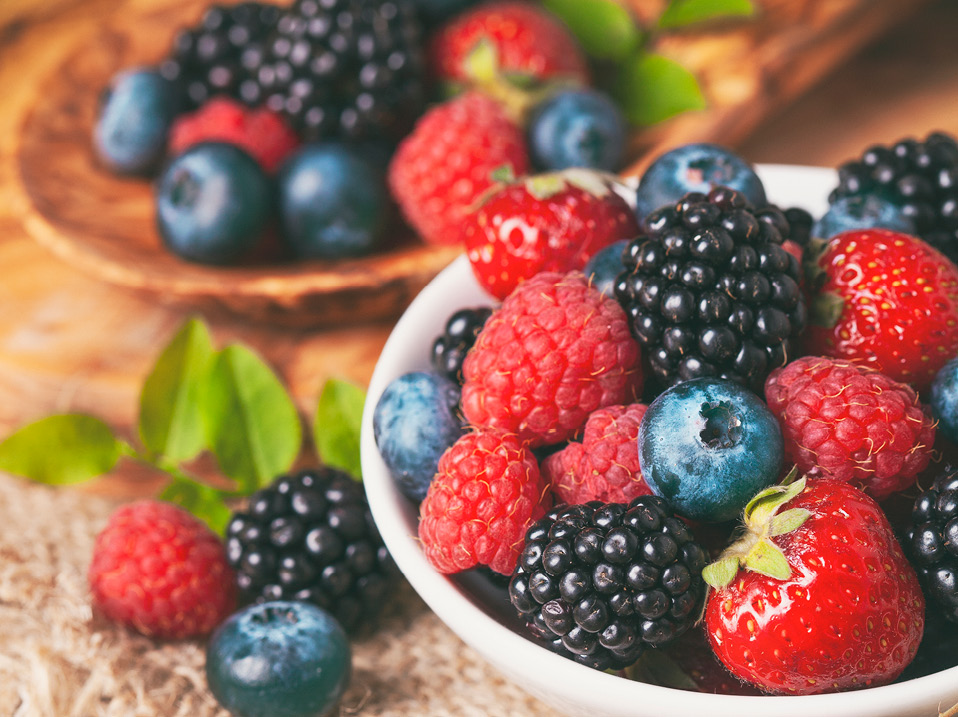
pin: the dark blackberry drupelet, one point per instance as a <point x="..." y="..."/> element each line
<point x="800" y="223"/>
<point x="919" y="177"/>
<point x="932" y="542"/>
<point x="601" y="581"/>
<point x="449" y="350"/>
<point x="310" y="536"/>
<point x="215" y="57"/>
<point x="352" y="69"/>
<point x="710" y="292"/>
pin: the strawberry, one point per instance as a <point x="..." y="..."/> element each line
<point x="826" y="601"/>
<point x="448" y="160"/>
<point x="887" y="300"/>
<point x="549" y="222"/>
<point x="513" y="39"/>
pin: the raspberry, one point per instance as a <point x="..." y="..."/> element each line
<point x="605" y="465"/>
<point x="850" y="423"/>
<point x="446" y="163"/>
<point x="262" y="133"/>
<point x="555" y="351"/>
<point x="161" y="571"/>
<point x="486" y="493"/>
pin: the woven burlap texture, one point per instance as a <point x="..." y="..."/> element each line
<point x="59" y="659"/>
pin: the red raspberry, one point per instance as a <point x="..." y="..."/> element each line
<point x="262" y="133"/>
<point x="447" y="162"/>
<point x="527" y="41"/>
<point x="549" y="222"/>
<point x="161" y="571"/>
<point x="605" y="465"/>
<point x="851" y="423"/>
<point x="554" y="352"/>
<point x="486" y="494"/>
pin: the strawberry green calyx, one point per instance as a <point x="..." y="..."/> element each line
<point x="755" y="550"/>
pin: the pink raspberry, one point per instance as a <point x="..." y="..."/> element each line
<point x="851" y="423"/>
<point x="555" y="351"/>
<point x="486" y="494"/>
<point x="605" y="465"/>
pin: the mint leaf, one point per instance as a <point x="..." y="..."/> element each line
<point x="680" y="13"/>
<point x="171" y="421"/>
<point x="61" y="449"/>
<point x="651" y="88"/>
<point x="604" y="28"/>
<point x="206" y="503"/>
<point x="251" y="422"/>
<point x="336" y="427"/>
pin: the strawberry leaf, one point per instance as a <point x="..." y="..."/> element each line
<point x="604" y="28"/>
<point x="543" y="186"/>
<point x="767" y="558"/>
<point x="481" y="64"/>
<point x="788" y="521"/>
<point x="589" y="181"/>
<point x="62" y="449"/>
<point x="252" y="424"/>
<point x="337" y="426"/>
<point x="681" y="13"/>
<point x="651" y="88"/>
<point x="721" y="572"/>
<point x="171" y="421"/>
<point x="826" y="310"/>
<point x="203" y="501"/>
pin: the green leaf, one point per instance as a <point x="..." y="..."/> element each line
<point x="337" y="424"/>
<point x="61" y="449"/>
<point x="721" y="572"/>
<point x="171" y="420"/>
<point x="680" y="13"/>
<point x="251" y="422"/>
<point x="206" y="503"/>
<point x="826" y="310"/>
<point x="788" y="521"/>
<point x="767" y="558"/>
<point x="657" y="667"/>
<point x="651" y="88"/>
<point x="604" y="28"/>
<point x="481" y="64"/>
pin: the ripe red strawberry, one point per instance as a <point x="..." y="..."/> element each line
<point x="549" y="222"/>
<point x="161" y="571"/>
<point x="525" y="40"/>
<point x="851" y="423"/>
<point x="887" y="300"/>
<point x="554" y="352"/>
<point x="605" y="465"/>
<point x="826" y="600"/>
<point x="486" y="493"/>
<point x="448" y="160"/>
<point x="261" y="132"/>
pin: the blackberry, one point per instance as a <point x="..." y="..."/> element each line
<point x="919" y="177"/>
<point x="449" y="350"/>
<point x="800" y="223"/>
<point x="310" y="537"/>
<point x="352" y="69"/>
<point x="213" y="58"/>
<point x="710" y="292"/>
<point x="932" y="542"/>
<point x="599" y="582"/>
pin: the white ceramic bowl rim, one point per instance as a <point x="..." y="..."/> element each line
<point x="559" y="681"/>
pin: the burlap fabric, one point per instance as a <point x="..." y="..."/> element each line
<point x="58" y="659"/>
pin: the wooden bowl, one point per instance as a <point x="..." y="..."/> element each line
<point x="104" y="224"/>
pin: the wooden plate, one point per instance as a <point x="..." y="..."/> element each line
<point x="104" y="224"/>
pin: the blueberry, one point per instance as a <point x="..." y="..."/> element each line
<point x="707" y="446"/>
<point x="212" y="203"/>
<point x="134" y="119"/>
<point x="605" y="266"/>
<point x="696" y="168"/>
<point x="333" y="203"/>
<point x="577" y="128"/>
<point x="944" y="400"/>
<point x="415" y="421"/>
<point x="279" y="659"/>
<point x="862" y="211"/>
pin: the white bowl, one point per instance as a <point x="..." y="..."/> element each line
<point x="482" y="616"/>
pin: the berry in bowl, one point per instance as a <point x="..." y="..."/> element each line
<point x="600" y="591"/>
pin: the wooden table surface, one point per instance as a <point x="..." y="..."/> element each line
<point x="70" y="343"/>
